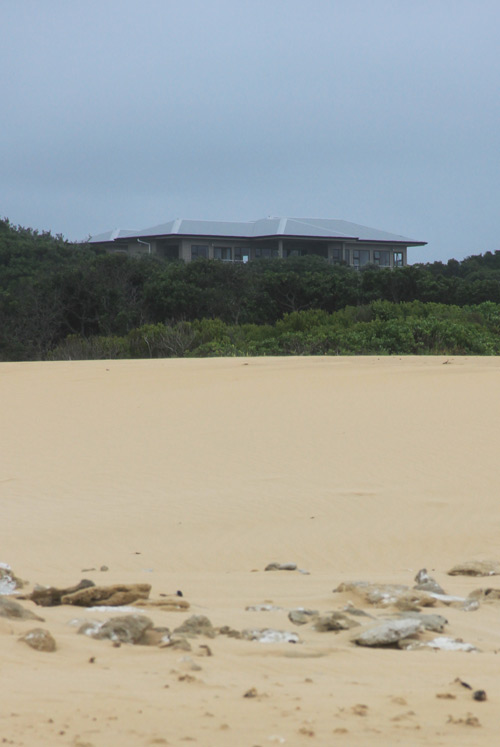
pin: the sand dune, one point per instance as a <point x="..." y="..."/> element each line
<point x="193" y="475"/>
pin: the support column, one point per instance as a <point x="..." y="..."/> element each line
<point x="280" y="248"/>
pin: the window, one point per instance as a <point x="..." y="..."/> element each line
<point x="360" y="257"/>
<point x="265" y="252"/>
<point x="167" y="250"/>
<point x="199" y="250"/>
<point x="223" y="252"/>
<point x="241" y="254"/>
<point x="398" y="259"/>
<point x="381" y="258"/>
<point x="336" y="255"/>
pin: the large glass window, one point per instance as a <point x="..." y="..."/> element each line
<point x="199" y="250"/>
<point x="223" y="252"/>
<point x="360" y="257"/>
<point x="398" y="259"/>
<point x="382" y="258"/>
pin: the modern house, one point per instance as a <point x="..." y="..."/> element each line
<point x="338" y="241"/>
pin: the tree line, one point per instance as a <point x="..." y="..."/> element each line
<point x="63" y="300"/>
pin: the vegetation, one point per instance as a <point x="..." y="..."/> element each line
<point x="64" y="301"/>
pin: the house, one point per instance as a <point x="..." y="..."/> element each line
<point x="338" y="241"/>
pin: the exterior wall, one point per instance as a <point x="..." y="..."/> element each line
<point x="335" y="251"/>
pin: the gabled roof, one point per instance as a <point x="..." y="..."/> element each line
<point x="321" y="228"/>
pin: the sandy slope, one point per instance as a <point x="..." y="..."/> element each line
<point x="193" y="475"/>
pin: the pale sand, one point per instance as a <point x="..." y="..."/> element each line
<point x="193" y="475"/>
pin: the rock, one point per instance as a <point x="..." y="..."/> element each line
<point x="39" y="639"/>
<point x="334" y="621"/>
<point x="281" y="567"/>
<point x="169" y="604"/>
<point x="427" y="583"/>
<point x="413" y="599"/>
<point x="467" y="605"/>
<point x="204" y="650"/>
<point x="14" y="610"/>
<point x="476" y="568"/>
<point x="435" y="623"/>
<point x="9" y="582"/>
<point x="196" y="625"/>
<point x="50" y="596"/>
<point x="479" y="695"/>
<point x="252" y="693"/>
<point x="125" y="629"/>
<point x="176" y="642"/>
<point x="230" y="632"/>
<point x="385" y="595"/>
<point x="388" y="633"/>
<point x="444" y="643"/>
<point x="269" y="635"/>
<point x="109" y="596"/>
<point x="352" y="610"/>
<point x="485" y="595"/>
<point x="262" y="608"/>
<point x="301" y="616"/>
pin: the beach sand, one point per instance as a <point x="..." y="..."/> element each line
<point x="193" y="475"/>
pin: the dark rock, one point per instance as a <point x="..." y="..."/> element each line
<point x="39" y="639"/>
<point x="14" y="610"/>
<point x="50" y="596"/>
<point x="334" y="621"/>
<point x="479" y="695"/>
<point x="230" y="632"/>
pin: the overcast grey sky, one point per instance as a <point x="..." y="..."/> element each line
<point x="129" y="113"/>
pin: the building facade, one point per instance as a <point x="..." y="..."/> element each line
<point x="339" y="242"/>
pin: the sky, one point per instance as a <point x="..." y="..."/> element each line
<point x="130" y="113"/>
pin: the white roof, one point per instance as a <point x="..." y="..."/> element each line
<point x="320" y="228"/>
